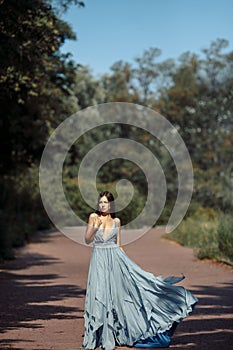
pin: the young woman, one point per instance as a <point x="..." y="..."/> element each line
<point x="124" y="304"/>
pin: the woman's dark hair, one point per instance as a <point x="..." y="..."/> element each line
<point x="110" y="198"/>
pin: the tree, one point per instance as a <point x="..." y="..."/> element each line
<point x="35" y="95"/>
<point x="34" y="78"/>
<point x="199" y="103"/>
<point x="118" y="84"/>
<point x="86" y="89"/>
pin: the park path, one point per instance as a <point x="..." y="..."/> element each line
<point x="42" y="293"/>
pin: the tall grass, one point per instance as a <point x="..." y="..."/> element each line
<point x="225" y="236"/>
<point x="209" y="233"/>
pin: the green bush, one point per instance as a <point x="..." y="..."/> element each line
<point x="208" y="232"/>
<point x="197" y="230"/>
<point x="21" y="211"/>
<point x="225" y="236"/>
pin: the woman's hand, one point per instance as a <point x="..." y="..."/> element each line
<point x="97" y="222"/>
<point x="94" y="223"/>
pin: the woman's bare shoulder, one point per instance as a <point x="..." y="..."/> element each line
<point x="93" y="215"/>
<point x="118" y="221"/>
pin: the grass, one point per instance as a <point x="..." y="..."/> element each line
<point x="209" y="233"/>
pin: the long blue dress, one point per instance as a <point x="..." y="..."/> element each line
<point x="126" y="305"/>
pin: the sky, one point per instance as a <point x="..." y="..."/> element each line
<point x="112" y="30"/>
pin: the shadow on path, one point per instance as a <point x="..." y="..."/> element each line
<point x="28" y="299"/>
<point x="211" y="326"/>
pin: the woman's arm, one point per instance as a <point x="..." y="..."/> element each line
<point x="93" y="224"/>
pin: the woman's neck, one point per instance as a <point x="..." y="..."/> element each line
<point x="106" y="215"/>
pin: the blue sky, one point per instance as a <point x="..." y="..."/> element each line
<point x="112" y="30"/>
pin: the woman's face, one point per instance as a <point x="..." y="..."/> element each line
<point x="104" y="205"/>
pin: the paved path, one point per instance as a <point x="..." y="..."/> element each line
<point x="42" y="293"/>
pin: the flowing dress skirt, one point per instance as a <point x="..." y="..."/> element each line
<point x="126" y="305"/>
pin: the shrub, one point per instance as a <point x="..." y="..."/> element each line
<point x="208" y="232"/>
<point x="21" y="210"/>
<point x="225" y="236"/>
<point x="197" y="230"/>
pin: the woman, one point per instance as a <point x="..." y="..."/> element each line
<point x="126" y="305"/>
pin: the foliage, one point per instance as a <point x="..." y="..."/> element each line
<point x="199" y="103"/>
<point x="208" y="232"/>
<point x="35" y="79"/>
<point x="225" y="235"/>
<point x="35" y="96"/>
<point x="23" y="212"/>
